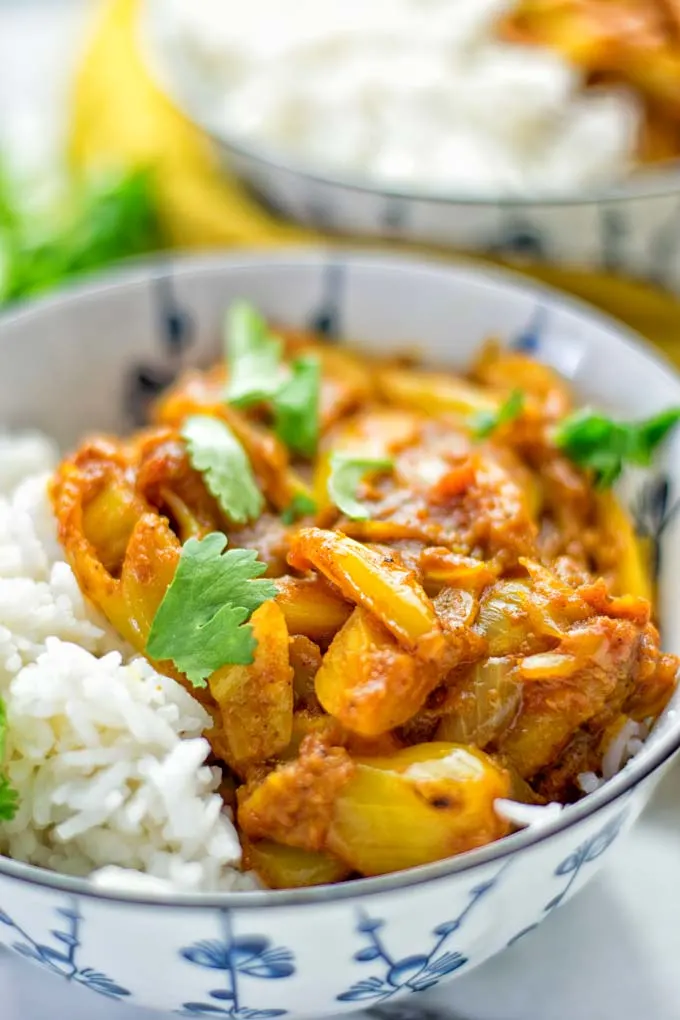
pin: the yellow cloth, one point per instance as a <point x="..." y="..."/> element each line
<point x="119" y="114"/>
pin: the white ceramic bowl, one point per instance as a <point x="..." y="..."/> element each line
<point x="90" y="359"/>
<point x="633" y="228"/>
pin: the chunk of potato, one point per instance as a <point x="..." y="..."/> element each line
<point x="378" y="584"/>
<point x="310" y="607"/>
<point x="256" y="701"/>
<point x="367" y="681"/>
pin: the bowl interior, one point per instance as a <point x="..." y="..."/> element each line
<point x="93" y="358"/>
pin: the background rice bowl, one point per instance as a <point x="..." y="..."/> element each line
<point x="105" y="349"/>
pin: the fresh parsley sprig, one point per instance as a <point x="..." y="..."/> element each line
<point x="201" y="624"/>
<point x="346" y="474"/>
<point x="216" y="452"/>
<point x="604" y="446"/>
<point x="485" y="423"/>
<point x="259" y="375"/>
<point x="9" y="798"/>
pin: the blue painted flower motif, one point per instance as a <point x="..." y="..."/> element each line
<point x="414" y="973"/>
<point x="529" y="340"/>
<point x="587" y="852"/>
<point x="62" y="958"/>
<point x="327" y="318"/>
<point x="236" y="956"/>
<point x="571" y="866"/>
<point x="146" y="381"/>
<point x="652" y="512"/>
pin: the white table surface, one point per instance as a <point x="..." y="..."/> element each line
<point x="612" y="954"/>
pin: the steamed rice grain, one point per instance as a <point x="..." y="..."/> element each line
<point x="107" y="755"/>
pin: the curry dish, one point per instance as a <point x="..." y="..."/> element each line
<point x="634" y="43"/>
<point x="451" y="611"/>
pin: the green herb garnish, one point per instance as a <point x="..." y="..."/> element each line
<point x="484" y="423"/>
<point x="253" y="355"/>
<point x="347" y="473"/>
<point x="92" y="224"/>
<point x="201" y="624"/>
<point x="296" y="407"/>
<point x="604" y="447"/>
<point x="216" y="452"/>
<point x="9" y="798"/>
<point x="259" y="375"/>
<point x="300" y="506"/>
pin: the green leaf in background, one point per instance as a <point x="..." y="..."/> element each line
<point x="95" y="223"/>
<point x="604" y="447"/>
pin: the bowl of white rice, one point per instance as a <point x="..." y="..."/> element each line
<point x="120" y="870"/>
<point x="414" y="121"/>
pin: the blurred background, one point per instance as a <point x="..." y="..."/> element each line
<point x="538" y="133"/>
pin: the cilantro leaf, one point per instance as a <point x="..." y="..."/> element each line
<point x="300" y="506"/>
<point x="216" y="452"/>
<point x="9" y="798"/>
<point x="604" y="447"/>
<point x="201" y="624"/>
<point x="296" y="406"/>
<point x="347" y="473"/>
<point x="253" y="356"/>
<point x="484" y="423"/>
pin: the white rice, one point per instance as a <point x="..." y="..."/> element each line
<point x="526" y="816"/>
<point x="405" y="92"/>
<point x="106" y="754"/>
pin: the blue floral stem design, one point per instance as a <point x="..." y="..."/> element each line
<point x="73" y="943"/>
<point x="229" y="941"/>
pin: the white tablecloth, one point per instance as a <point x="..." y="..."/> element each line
<point x="613" y="954"/>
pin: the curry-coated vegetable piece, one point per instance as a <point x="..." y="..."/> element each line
<point x="482" y="704"/>
<point x="625" y="549"/>
<point x="167" y="481"/>
<point x="305" y="659"/>
<point x="511" y="371"/>
<point x="256" y="701"/>
<point x="655" y="680"/>
<point x="289" y="867"/>
<point x="434" y="392"/>
<point x="419" y="805"/>
<point x="368" y="681"/>
<point x="383" y="587"/>
<point x="310" y="607"/>
<point x="378" y="815"/>
<point x="563" y="689"/>
<point x="148" y="569"/>
<point x="346" y="382"/>
<point x="294" y="804"/>
<point x="99" y="474"/>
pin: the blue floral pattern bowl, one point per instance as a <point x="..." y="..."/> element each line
<point x="93" y="358"/>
